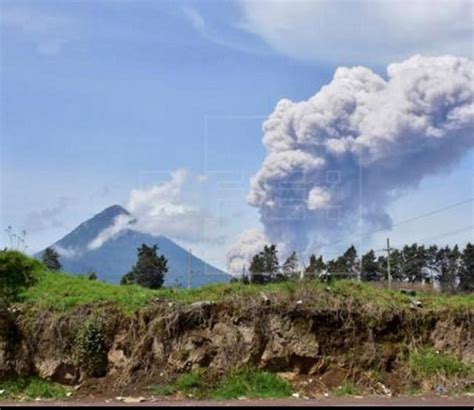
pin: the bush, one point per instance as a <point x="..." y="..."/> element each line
<point x="91" y="349"/>
<point x="17" y="272"/>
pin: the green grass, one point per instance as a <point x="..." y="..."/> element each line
<point x="163" y="389"/>
<point x="427" y="363"/>
<point x="189" y="381"/>
<point x="346" y="389"/>
<point x="251" y="383"/>
<point x="248" y="383"/>
<point x="30" y="388"/>
<point x="60" y="292"/>
<point x="190" y="384"/>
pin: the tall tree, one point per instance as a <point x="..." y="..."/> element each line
<point x="414" y="260"/>
<point x="257" y="270"/>
<point x="51" y="259"/>
<point x="346" y="265"/>
<point x="264" y="266"/>
<point x="448" y="260"/>
<point x="466" y="270"/>
<point x="370" y="268"/>
<point x="270" y="260"/>
<point x="290" y="267"/>
<point x="150" y="269"/>
<point x="316" y="267"/>
<point x="431" y="267"/>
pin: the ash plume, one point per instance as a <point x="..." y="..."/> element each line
<point x="344" y="154"/>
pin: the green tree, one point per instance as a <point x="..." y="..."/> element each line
<point x="51" y="259"/>
<point x="290" y="267"/>
<point x="346" y="265"/>
<point x="316" y="267"/>
<point x="257" y="270"/>
<point x="264" y="266"/>
<point x="396" y="266"/>
<point x="448" y="261"/>
<point x="370" y="267"/>
<point x="270" y="260"/>
<point x="150" y="269"/>
<point x="431" y="266"/>
<point x="414" y="261"/>
<point x="466" y="270"/>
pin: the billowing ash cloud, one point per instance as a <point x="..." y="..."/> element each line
<point x="161" y="210"/>
<point x="359" y="142"/>
<point x="248" y="244"/>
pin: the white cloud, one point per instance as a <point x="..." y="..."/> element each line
<point x="48" y="31"/>
<point x="218" y="36"/>
<point x="365" y="31"/>
<point x="121" y="223"/>
<point x="66" y="252"/>
<point x="195" y="18"/>
<point x="163" y="210"/>
<point x="318" y="198"/>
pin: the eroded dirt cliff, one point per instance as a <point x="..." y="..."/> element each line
<point x="318" y="346"/>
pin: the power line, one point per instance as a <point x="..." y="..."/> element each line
<point x="465" y="229"/>
<point x="442" y="235"/>
<point x="434" y="212"/>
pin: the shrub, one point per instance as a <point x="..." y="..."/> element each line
<point x="17" y="272"/>
<point x="91" y="349"/>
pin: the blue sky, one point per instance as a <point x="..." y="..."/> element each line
<point x="99" y="98"/>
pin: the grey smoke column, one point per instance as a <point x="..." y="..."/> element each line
<point x="393" y="132"/>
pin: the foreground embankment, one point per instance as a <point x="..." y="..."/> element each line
<point x="341" y="338"/>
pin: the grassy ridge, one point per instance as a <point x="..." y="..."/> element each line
<point x="61" y="292"/>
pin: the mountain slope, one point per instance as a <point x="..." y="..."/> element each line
<point x="116" y="256"/>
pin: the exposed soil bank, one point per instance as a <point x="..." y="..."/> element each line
<point x="317" y="349"/>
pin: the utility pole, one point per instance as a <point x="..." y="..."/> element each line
<point x="359" y="274"/>
<point x="190" y="267"/>
<point x="302" y="266"/>
<point x="389" y="275"/>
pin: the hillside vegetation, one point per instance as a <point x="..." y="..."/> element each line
<point x="339" y="337"/>
<point x="61" y="292"/>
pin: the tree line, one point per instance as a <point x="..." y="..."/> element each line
<point x="449" y="267"/>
